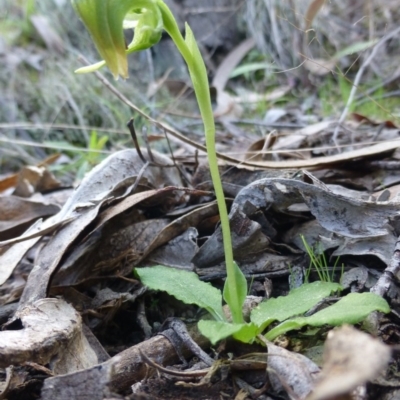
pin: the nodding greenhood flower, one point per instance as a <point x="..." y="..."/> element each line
<point x="106" y="19"/>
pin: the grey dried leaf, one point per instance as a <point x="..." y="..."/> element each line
<point x="345" y="216"/>
<point x="178" y="253"/>
<point x="247" y="238"/>
<point x="291" y="372"/>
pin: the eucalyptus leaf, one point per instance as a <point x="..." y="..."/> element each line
<point x="183" y="285"/>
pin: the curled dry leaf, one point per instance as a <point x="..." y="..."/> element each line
<point x="112" y="245"/>
<point x="51" y="334"/>
<point x="109" y="249"/>
<point x="345" y="216"/>
<point x="351" y="358"/>
<point x="291" y="372"/>
<point x="33" y="179"/>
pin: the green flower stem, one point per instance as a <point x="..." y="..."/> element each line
<point x="198" y="74"/>
<point x="104" y="19"/>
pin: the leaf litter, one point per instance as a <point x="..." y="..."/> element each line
<point x="111" y="233"/>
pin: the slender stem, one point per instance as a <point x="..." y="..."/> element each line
<point x="199" y="78"/>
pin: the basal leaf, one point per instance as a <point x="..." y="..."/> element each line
<point x="236" y="295"/>
<point x="183" y="285"/>
<point x="297" y="302"/>
<point x="351" y="309"/>
<point x="218" y="330"/>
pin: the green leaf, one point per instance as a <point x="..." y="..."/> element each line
<point x="218" y="330"/>
<point x="297" y="302"/>
<point x="251" y="67"/>
<point x="351" y="309"/>
<point x="355" y="48"/>
<point x="236" y="295"/>
<point x="90" y="68"/>
<point x="183" y="285"/>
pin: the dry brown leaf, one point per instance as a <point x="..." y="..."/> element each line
<point x="312" y="11"/>
<point x="320" y="66"/>
<point x="247" y="238"/>
<point x="50" y="37"/>
<point x="320" y="162"/>
<point x="180" y="225"/>
<point x="230" y="62"/>
<point x="363" y="118"/>
<point x="351" y="358"/>
<point x="112" y="179"/>
<point x="35" y="179"/>
<point x="77" y="385"/>
<point x="275" y="94"/>
<point x="357" y="220"/>
<point x="297" y="139"/>
<point x="227" y="106"/>
<point x="8" y="182"/>
<point x="17" y="213"/>
<point x="178" y="252"/>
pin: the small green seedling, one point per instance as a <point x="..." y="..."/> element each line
<point x="319" y="262"/>
<point x="105" y="20"/>
<point x="82" y="159"/>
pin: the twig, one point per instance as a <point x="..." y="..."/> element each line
<point x="358" y="78"/>
<point x="131" y="127"/>
<point x="390" y="274"/>
<point x="191" y="374"/>
<point x="141" y="319"/>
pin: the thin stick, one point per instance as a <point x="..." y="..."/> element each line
<point x="131" y="127"/>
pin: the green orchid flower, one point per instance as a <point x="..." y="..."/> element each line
<point x="105" y="20"/>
